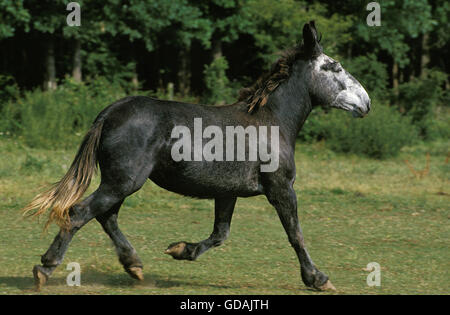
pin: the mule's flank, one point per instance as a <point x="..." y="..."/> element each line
<point x="65" y="193"/>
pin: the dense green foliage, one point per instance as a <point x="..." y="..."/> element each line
<point x="218" y="89"/>
<point x="204" y="51"/>
<point x="60" y="117"/>
<point x="381" y="136"/>
<point x="419" y="98"/>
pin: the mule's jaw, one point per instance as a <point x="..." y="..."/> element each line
<point x="40" y="278"/>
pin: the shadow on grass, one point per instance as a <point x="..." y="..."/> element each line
<point x="93" y="277"/>
<point x="21" y="283"/>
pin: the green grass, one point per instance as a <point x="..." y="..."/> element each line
<point x="353" y="211"/>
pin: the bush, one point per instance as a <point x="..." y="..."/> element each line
<point x="380" y="135"/>
<point x="218" y="88"/>
<point x="8" y="89"/>
<point x="314" y="128"/>
<point x="419" y="98"/>
<point x="60" y="117"/>
<point x="440" y="125"/>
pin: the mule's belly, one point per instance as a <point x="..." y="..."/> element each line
<point x="208" y="179"/>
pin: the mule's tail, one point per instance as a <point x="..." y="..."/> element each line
<point x="65" y="193"/>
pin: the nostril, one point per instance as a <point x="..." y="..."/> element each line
<point x="368" y="105"/>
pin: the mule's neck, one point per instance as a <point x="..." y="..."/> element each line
<point x="290" y="104"/>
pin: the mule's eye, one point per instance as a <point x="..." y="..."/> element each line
<point x="332" y="66"/>
<point x="337" y="67"/>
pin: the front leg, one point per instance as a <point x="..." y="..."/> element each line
<point x="284" y="199"/>
<point x="224" y="208"/>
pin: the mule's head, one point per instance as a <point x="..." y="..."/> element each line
<point x="329" y="83"/>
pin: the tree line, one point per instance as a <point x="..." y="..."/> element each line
<point x="153" y="43"/>
<point x="56" y="78"/>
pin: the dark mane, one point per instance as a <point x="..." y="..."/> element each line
<point x="257" y="95"/>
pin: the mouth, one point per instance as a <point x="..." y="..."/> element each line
<point x="357" y="112"/>
<point x="359" y="106"/>
<point x="353" y="109"/>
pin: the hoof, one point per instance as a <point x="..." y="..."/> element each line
<point x="40" y="278"/>
<point x="136" y="273"/>
<point x="176" y="250"/>
<point x="327" y="286"/>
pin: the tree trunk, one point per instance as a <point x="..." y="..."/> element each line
<point x="184" y="75"/>
<point x="425" y="58"/>
<point x="216" y="48"/>
<point x="50" y="68"/>
<point x="135" y="79"/>
<point x="76" y="72"/>
<point x="395" y="74"/>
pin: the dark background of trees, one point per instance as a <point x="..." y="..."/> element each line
<point x="160" y="41"/>
<point x="205" y="50"/>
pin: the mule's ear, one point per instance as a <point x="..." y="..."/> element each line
<point x="311" y="44"/>
<point x="312" y="25"/>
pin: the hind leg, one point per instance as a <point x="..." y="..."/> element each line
<point x="123" y="173"/>
<point x="103" y="199"/>
<point x="127" y="254"/>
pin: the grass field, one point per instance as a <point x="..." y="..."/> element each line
<point x="353" y="211"/>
